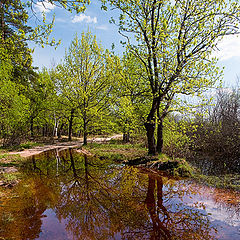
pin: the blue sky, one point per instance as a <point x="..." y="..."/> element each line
<point x="97" y="21"/>
<point x="68" y="24"/>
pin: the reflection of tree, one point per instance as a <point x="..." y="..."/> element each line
<point x="20" y="215"/>
<point x="107" y="201"/>
<point x="175" y="220"/>
<point x="97" y="201"/>
<point x="160" y="230"/>
<point x="85" y="200"/>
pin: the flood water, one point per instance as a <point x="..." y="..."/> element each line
<point x="213" y="165"/>
<point x="65" y="195"/>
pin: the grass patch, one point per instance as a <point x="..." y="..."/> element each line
<point x="136" y="154"/>
<point x="22" y="146"/>
<point x="116" y="150"/>
<point x="184" y="169"/>
<point x="10" y="177"/>
<point x="9" y="160"/>
<point x="228" y="181"/>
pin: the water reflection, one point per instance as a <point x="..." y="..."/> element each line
<point x="65" y="195"/>
<point x="214" y="165"/>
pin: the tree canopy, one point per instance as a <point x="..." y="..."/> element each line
<point x="83" y="79"/>
<point x="174" y="41"/>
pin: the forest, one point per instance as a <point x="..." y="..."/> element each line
<point x="93" y="91"/>
<point x="163" y="95"/>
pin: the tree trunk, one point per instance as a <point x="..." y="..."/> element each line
<point x="160" y="136"/>
<point x="70" y="126"/>
<point x="126" y="137"/>
<point x="59" y="133"/>
<point x="31" y="127"/>
<point x="46" y="130"/>
<point x="150" y="128"/>
<point x="43" y="131"/>
<point x="55" y="128"/>
<point x="150" y="125"/>
<point x="85" y="131"/>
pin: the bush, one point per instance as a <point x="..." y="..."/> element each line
<point x="218" y="133"/>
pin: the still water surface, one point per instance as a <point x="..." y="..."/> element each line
<point x="65" y="195"/>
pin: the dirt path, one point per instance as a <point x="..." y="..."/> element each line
<point x="61" y="145"/>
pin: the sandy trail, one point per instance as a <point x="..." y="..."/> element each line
<point x="61" y="145"/>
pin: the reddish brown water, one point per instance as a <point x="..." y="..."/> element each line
<point x="64" y="195"/>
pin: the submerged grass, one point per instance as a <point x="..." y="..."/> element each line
<point x="9" y="160"/>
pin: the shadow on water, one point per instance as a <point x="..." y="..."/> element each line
<point x="65" y="195"/>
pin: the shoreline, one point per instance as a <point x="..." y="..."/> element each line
<point x="60" y="145"/>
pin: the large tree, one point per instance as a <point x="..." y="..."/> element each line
<point x="14" y="106"/>
<point x="20" y="85"/>
<point x="83" y="81"/>
<point x="174" y="41"/>
<point x="130" y="104"/>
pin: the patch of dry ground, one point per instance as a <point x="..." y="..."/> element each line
<point x="61" y="145"/>
<point x="10" y="161"/>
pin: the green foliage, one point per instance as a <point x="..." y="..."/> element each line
<point x="174" y="40"/>
<point x="14" y="108"/>
<point x="176" y="140"/>
<point x="129" y="103"/>
<point x="83" y="80"/>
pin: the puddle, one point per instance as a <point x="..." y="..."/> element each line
<point x="65" y="195"/>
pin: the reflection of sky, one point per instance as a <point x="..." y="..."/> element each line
<point x="220" y="213"/>
<point x="176" y="197"/>
<point x="184" y="198"/>
<point x="52" y="228"/>
<point x="226" y="219"/>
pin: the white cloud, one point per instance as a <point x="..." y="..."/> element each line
<point x="44" y="6"/>
<point x="102" y="27"/>
<point x="229" y="47"/>
<point x="84" y="18"/>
